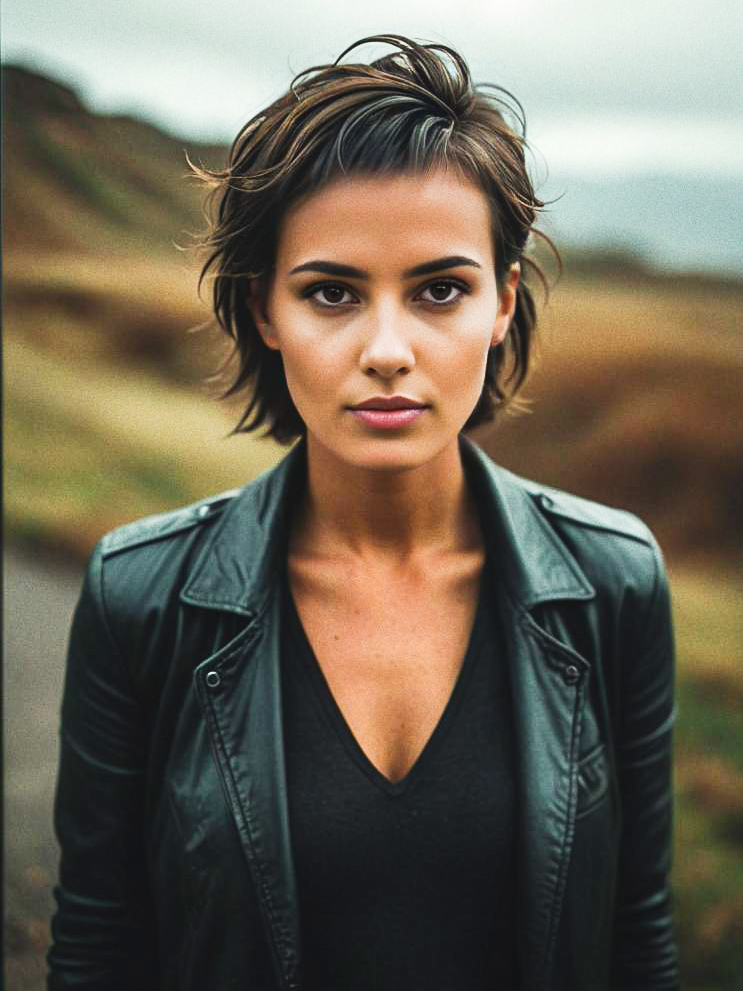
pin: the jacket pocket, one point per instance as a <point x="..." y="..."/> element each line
<point x="593" y="780"/>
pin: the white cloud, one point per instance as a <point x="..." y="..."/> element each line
<point x="203" y="68"/>
<point x="610" y="147"/>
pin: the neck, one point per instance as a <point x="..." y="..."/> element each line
<point x="385" y="515"/>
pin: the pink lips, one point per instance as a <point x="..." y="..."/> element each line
<point x="388" y="411"/>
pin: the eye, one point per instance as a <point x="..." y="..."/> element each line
<point x="330" y="294"/>
<point x="443" y="292"/>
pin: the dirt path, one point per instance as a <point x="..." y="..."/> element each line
<point x="39" y="597"/>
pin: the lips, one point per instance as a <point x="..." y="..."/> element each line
<point x="389" y="403"/>
<point x="388" y="413"/>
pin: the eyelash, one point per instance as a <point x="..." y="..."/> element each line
<point x="463" y="288"/>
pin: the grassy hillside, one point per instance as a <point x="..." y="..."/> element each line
<point x="80" y="181"/>
<point x="636" y="400"/>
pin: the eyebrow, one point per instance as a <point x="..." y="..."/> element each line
<point x="351" y="272"/>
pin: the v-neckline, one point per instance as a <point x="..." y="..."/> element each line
<point x="310" y="665"/>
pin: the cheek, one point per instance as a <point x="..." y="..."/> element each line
<point x="303" y="372"/>
<point x="467" y="364"/>
<point x="312" y="375"/>
<point x="302" y="358"/>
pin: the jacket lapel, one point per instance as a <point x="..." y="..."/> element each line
<point x="548" y="707"/>
<point x="548" y="681"/>
<point x="239" y="689"/>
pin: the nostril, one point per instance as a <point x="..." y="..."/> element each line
<point x="387" y="356"/>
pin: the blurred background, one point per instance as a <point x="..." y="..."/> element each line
<point x="635" y="118"/>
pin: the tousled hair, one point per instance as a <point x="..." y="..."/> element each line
<point x="414" y="110"/>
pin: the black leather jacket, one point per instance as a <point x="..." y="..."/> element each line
<point x="171" y="808"/>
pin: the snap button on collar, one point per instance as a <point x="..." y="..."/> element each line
<point x="570" y="674"/>
<point x="212" y="679"/>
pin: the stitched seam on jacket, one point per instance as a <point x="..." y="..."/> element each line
<point x="111" y="546"/>
<point x="532" y="629"/>
<point x="653" y="598"/>
<point x="551" y="506"/>
<point x="601" y="527"/>
<point x="196" y="597"/>
<point x="567" y="559"/>
<point x="551" y="644"/>
<point x="109" y="631"/>
<point x="570" y="831"/>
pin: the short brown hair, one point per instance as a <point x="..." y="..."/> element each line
<point x="415" y="109"/>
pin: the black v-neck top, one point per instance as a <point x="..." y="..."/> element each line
<point x="409" y="884"/>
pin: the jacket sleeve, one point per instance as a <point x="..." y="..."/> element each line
<point x="102" y="930"/>
<point x="644" y="956"/>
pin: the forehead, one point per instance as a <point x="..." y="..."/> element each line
<point x="401" y="217"/>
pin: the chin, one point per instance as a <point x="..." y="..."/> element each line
<point x="389" y="454"/>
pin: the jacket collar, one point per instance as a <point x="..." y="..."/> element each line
<point x="241" y="557"/>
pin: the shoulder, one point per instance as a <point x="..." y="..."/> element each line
<point x="165" y="527"/>
<point x="597" y="533"/>
<point x="612" y="549"/>
<point x="138" y="569"/>
<point x="593" y="527"/>
<point x="523" y="496"/>
<point x="617" y="550"/>
<point x="617" y="554"/>
<point x="584" y="514"/>
<point x="211" y="552"/>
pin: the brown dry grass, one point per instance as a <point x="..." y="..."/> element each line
<point x="636" y="401"/>
<point x="636" y="397"/>
<point x="95" y="436"/>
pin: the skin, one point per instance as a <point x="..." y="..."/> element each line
<point x="386" y="551"/>
<point x="386" y="335"/>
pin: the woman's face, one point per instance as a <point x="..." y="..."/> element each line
<point x="385" y="297"/>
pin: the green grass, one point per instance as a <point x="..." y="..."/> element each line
<point x="88" y="447"/>
<point x="81" y="178"/>
<point x="707" y="723"/>
<point x="708" y="899"/>
<point x="62" y="486"/>
<point x="708" y="868"/>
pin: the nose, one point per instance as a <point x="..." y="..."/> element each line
<point x="387" y="349"/>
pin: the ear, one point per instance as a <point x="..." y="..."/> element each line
<point x="506" y="304"/>
<point x="258" y="304"/>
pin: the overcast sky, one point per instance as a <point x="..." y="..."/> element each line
<point x="609" y="87"/>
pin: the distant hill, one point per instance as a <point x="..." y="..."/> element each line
<point x="86" y="182"/>
<point x="82" y="180"/>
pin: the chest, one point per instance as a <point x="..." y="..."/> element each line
<point x="390" y="653"/>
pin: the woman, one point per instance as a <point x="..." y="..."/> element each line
<point x="388" y="717"/>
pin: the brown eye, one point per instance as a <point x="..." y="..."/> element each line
<point x="440" y="291"/>
<point x="443" y="292"/>
<point x="330" y="294"/>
